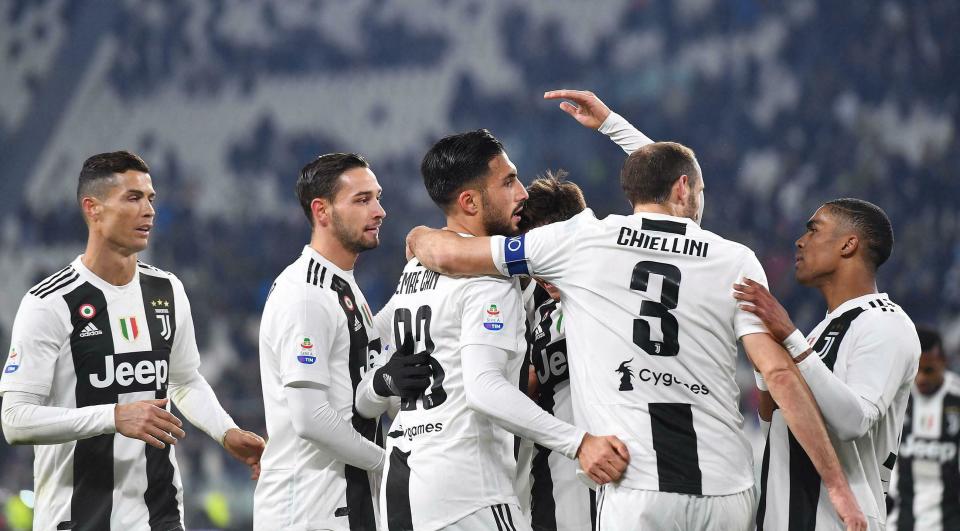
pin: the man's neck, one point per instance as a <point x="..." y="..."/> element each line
<point x="466" y="225"/>
<point x="656" y="208"/>
<point x="847" y="284"/>
<point x="331" y="249"/>
<point x="110" y="264"/>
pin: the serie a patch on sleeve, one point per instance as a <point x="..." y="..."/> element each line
<point x="307" y="356"/>
<point x="13" y="361"/>
<point x="492" y="317"/>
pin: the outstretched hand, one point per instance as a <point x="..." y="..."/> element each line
<point x="586" y="108"/>
<point x="757" y="299"/>
<point x="246" y="447"/>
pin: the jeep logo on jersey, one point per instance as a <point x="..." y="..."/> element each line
<point x="161" y="310"/>
<point x="306" y="356"/>
<point x="143" y="374"/>
<point x="87" y="311"/>
<point x="128" y="328"/>
<point x="492" y="318"/>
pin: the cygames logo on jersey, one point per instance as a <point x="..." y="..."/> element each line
<point x="306" y="356"/>
<point x="87" y="311"/>
<point x="129" y="329"/>
<point x="492" y="317"/>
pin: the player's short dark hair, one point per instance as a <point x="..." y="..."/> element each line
<point x="103" y="166"/>
<point x="649" y="173"/>
<point x="456" y="162"/>
<point x="320" y="179"/>
<point x="929" y="338"/>
<point x="871" y="224"/>
<point x="552" y="199"/>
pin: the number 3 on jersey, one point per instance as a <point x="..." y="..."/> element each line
<point x="416" y="340"/>
<point x="669" y="293"/>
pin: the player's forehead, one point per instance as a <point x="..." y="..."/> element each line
<point x="822" y="217"/>
<point x="501" y="168"/>
<point x="131" y="181"/>
<point x="358" y="181"/>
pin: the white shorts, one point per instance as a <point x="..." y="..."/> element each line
<point x="500" y="517"/>
<point x="623" y="509"/>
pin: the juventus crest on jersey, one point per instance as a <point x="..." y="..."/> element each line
<point x="871" y="346"/>
<point x="80" y="341"/>
<point x="652" y="334"/>
<point x="559" y="501"/>
<point x="925" y="486"/>
<point x="316" y="328"/>
<point x="446" y="461"/>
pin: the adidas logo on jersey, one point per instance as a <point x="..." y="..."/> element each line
<point x="90" y="330"/>
<point x="357" y="325"/>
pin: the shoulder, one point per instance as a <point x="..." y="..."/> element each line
<point x="885" y="323"/>
<point x="734" y="248"/>
<point x="304" y="283"/>
<point x="952" y="383"/>
<point x="152" y="271"/>
<point x="490" y="285"/>
<point x="43" y="293"/>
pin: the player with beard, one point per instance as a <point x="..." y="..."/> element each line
<point x="316" y="342"/>
<point x="652" y="332"/>
<point x="451" y="463"/>
<point x="865" y="354"/>
<point x="98" y="351"/>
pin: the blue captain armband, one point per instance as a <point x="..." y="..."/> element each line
<point x="515" y="256"/>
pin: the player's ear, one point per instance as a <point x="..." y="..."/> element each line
<point x="851" y="243"/>
<point x="681" y="189"/>
<point x="320" y="209"/>
<point x="469" y="201"/>
<point x="92" y="208"/>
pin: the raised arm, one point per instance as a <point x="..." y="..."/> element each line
<point x="587" y="109"/>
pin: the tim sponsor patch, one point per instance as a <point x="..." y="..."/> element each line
<point x="307" y="356"/>
<point x="492" y="317"/>
<point x="13" y="361"/>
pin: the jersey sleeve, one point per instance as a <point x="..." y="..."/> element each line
<point x="885" y="355"/>
<point x="544" y="252"/>
<point x="744" y="322"/>
<point x="383" y="324"/>
<point x="37" y="338"/>
<point x="184" y="354"/>
<point x="305" y="337"/>
<point x="492" y="314"/>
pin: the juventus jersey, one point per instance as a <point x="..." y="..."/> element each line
<point x="871" y="345"/>
<point x="559" y="501"/>
<point x="446" y="461"/>
<point x="316" y="328"/>
<point x="652" y="331"/>
<point x="80" y="341"/>
<point x="925" y="486"/>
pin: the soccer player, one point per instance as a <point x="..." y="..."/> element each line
<point x="925" y="485"/>
<point x="559" y="501"/>
<point x="652" y="333"/>
<point x="98" y="350"/>
<point x="865" y="354"/>
<point x="451" y="463"/>
<point x="317" y="340"/>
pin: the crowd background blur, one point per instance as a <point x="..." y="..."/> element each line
<point x="787" y="104"/>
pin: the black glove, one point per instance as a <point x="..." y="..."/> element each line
<point x="404" y="376"/>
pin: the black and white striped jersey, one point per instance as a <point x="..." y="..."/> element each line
<point x="80" y="341"/>
<point x="652" y="330"/>
<point x="925" y="486"/>
<point x="316" y="328"/>
<point x="446" y="460"/>
<point x="871" y="346"/>
<point x="558" y="500"/>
